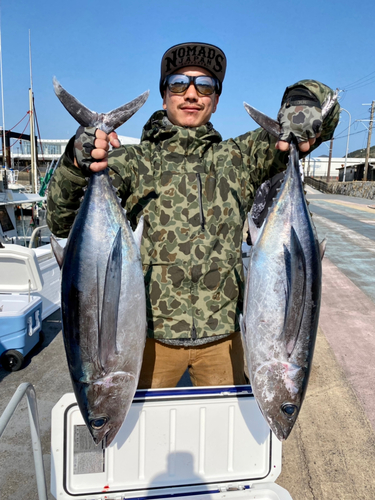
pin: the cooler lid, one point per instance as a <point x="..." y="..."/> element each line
<point x="19" y="270"/>
<point x="174" y="442"/>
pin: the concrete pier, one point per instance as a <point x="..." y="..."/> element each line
<point x="330" y="454"/>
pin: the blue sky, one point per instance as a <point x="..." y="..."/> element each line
<point x="107" y="54"/>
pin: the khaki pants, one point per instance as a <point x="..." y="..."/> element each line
<point x="216" y="363"/>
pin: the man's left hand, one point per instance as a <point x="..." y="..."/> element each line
<point x="302" y="121"/>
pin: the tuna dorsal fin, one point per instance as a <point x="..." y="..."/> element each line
<point x="322" y="248"/>
<point x="110" y="304"/>
<point x="296" y="291"/>
<point x="58" y="251"/>
<point x="138" y="232"/>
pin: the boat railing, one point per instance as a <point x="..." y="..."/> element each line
<point x="28" y="390"/>
<point x="10" y="175"/>
<point x="34" y="234"/>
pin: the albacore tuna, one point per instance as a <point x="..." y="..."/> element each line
<point x="102" y="293"/>
<point x="282" y="298"/>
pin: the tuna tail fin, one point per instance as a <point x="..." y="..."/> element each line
<point x="115" y="118"/>
<point x="104" y="121"/>
<point x="78" y="111"/>
<point x="264" y="121"/>
<point x="110" y="304"/>
<point x="273" y="127"/>
<point x="296" y="291"/>
<point x="138" y="232"/>
<point x="58" y="251"/>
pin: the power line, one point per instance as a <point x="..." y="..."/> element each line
<point x="346" y="87"/>
<point x="360" y="86"/>
<point x="354" y="133"/>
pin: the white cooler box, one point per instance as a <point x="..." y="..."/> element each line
<point x="199" y="443"/>
<point x="20" y="312"/>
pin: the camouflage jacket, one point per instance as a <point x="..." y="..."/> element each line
<point x="194" y="190"/>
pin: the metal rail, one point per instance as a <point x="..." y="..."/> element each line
<point x="317" y="184"/>
<point x="28" y="389"/>
<point x="34" y="233"/>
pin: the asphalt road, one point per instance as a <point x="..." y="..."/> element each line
<point x="331" y="452"/>
<point x="348" y="307"/>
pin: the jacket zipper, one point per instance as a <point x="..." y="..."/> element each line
<point x="201" y="214"/>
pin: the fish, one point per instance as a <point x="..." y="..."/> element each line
<point x="103" y="301"/>
<point x="282" y="296"/>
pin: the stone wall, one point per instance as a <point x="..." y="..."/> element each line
<point x="353" y="188"/>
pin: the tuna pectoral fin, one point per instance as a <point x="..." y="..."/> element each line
<point x="110" y="305"/>
<point x="296" y="291"/>
<point x="58" y="251"/>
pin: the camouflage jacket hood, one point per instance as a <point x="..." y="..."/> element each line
<point x="194" y="191"/>
<point x="158" y="128"/>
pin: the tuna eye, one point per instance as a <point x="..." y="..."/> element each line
<point x="289" y="409"/>
<point x="98" y="423"/>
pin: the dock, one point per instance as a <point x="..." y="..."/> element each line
<point x="330" y="454"/>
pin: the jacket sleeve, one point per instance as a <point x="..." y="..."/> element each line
<point x="67" y="186"/>
<point x="260" y="156"/>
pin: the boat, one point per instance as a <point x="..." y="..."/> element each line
<point x="23" y="224"/>
<point x="36" y="238"/>
<point x="30" y="278"/>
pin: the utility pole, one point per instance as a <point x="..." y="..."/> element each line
<point x="308" y="167"/>
<point x="329" y="160"/>
<point x="369" y="141"/>
<point x="347" y="143"/>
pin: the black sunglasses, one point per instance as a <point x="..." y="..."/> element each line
<point x="178" y="84"/>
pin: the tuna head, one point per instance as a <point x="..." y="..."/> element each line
<point x="279" y="386"/>
<point x="104" y="404"/>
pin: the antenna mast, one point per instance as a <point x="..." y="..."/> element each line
<point x="2" y="99"/>
<point x="33" y="146"/>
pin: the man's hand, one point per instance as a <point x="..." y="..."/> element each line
<point x="302" y="121"/>
<point x="91" y="147"/>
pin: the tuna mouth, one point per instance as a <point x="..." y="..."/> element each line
<point x="109" y="437"/>
<point x="278" y="431"/>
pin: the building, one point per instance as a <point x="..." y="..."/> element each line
<point x="356" y="172"/>
<point x="48" y="150"/>
<point x="318" y="167"/>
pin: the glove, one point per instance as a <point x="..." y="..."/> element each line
<point x="300" y="115"/>
<point x="84" y="143"/>
<point x="304" y="122"/>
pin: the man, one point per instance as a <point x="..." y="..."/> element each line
<point x="194" y="190"/>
